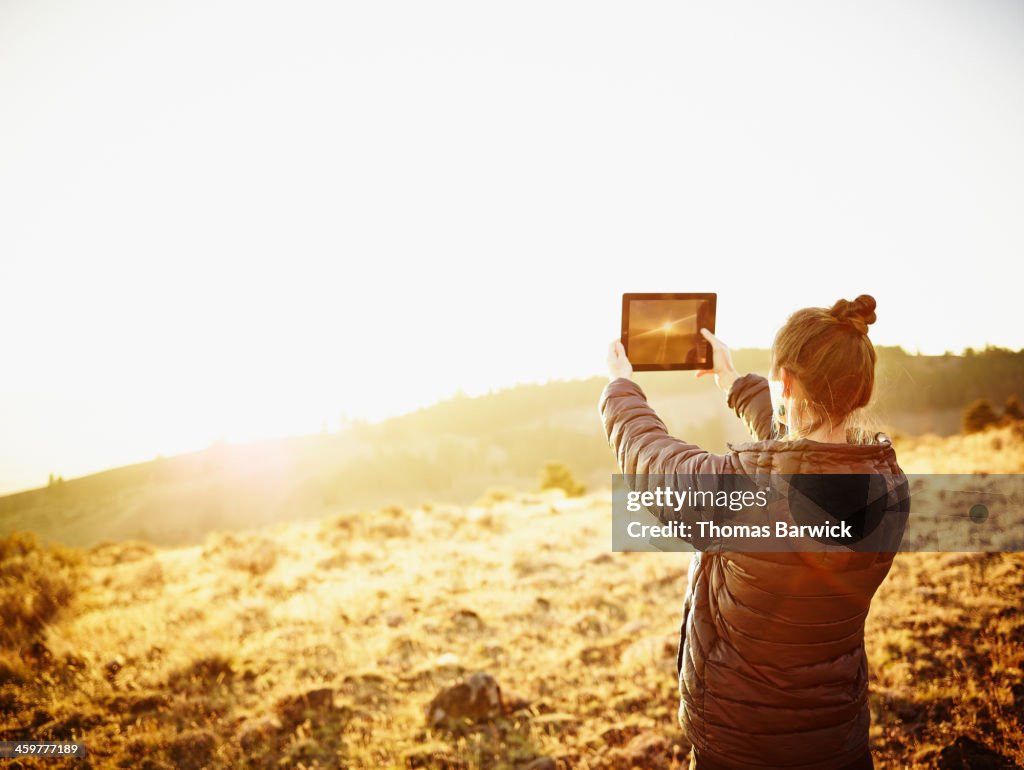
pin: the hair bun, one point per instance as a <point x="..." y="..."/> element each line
<point x="859" y="314"/>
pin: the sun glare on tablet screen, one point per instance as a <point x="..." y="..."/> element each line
<point x="665" y="331"/>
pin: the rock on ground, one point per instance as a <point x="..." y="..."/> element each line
<point x="476" y="698"/>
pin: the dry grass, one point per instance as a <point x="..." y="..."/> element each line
<point x="36" y="584"/>
<point x="319" y="644"/>
<point x="997" y="450"/>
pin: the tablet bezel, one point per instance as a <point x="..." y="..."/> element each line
<point x="706" y="296"/>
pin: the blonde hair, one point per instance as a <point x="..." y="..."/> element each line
<point x="828" y="352"/>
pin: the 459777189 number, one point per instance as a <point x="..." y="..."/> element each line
<point x="12" y="749"/>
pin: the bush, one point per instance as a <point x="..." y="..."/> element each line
<point x="557" y="476"/>
<point x="1013" y="409"/>
<point x="257" y="556"/>
<point x="202" y="673"/>
<point x="979" y="415"/>
<point x="36" y="583"/>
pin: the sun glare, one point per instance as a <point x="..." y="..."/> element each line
<point x="228" y="255"/>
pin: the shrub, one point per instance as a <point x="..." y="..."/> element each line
<point x="36" y="583"/>
<point x="979" y="415"/>
<point x="557" y="476"/>
<point x="202" y="673"/>
<point x="257" y="557"/>
<point x="1013" y="409"/>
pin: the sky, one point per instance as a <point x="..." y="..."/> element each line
<point x="231" y="220"/>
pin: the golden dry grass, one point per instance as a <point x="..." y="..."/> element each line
<point x="318" y="644"/>
<point x="997" y="450"/>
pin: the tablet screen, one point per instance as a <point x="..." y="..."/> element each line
<point x="662" y="331"/>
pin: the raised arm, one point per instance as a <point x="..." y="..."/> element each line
<point x="640" y="439"/>
<point x="649" y="458"/>
<point x="647" y="455"/>
<point x="638" y="436"/>
<point x="750" y="399"/>
<point x="748" y="395"/>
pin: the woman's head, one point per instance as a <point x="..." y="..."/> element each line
<point x="823" y="364"/>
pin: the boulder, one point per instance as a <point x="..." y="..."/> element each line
<point x="475" y="699"/>
<point x="966" y="753"/>
<point x="293" y="710"/>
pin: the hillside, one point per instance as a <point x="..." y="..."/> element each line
<point x="451" y="452"/>
<point x="321" y="644"/>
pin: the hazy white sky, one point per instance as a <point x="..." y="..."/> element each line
<point x="238" y="219"/>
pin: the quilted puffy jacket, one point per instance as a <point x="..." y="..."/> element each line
<point x="772" y="667"/>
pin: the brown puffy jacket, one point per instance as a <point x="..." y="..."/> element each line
<point x="773" y="672"/>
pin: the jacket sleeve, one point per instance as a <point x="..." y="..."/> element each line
<point x="649" y="458"/>
<point x="750" y="399"/>
<point x="640" y="439"/>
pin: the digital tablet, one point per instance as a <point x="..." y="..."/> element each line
<point x="661" y="332"/>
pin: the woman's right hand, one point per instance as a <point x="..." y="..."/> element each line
<point x="724" y="371"/>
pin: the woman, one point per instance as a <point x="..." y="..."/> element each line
<point x="772" y="666"/>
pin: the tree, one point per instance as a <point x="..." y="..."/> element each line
<point x="978" y="416"/>
<point x="1013" y="409"/>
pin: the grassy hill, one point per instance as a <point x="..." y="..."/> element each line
<point x="321" y="643"/>
<point x="452" y="452"/>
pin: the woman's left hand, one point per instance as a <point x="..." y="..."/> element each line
<point x="618" y="364"/>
